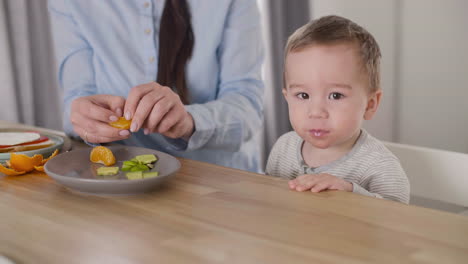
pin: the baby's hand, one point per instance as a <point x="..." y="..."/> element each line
<point x="319" y="182"/>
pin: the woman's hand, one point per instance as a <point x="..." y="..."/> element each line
<point x="90" y="116"/>
<point x="319" y="182"/>
<point x="158" y="109"/>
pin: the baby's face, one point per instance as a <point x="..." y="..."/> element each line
<point x="327" y="94"/>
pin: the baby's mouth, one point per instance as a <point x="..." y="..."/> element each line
<point x="318" y="132"/>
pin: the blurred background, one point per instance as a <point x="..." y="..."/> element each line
<point x="424" y="66"/>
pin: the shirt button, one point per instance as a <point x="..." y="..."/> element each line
<point x="147" y="31"/>
<point x="151" y="59"/>
<point x="146" y="4"/>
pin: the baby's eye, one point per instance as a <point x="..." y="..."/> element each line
<point x="335" y="96"/>
<point x="302" y="96"/>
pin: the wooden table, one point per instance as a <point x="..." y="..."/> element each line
<point x="212" y="214"/>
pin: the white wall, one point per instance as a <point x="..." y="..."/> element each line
<point x="378" y="18"/>
<point x="424" y="67"/>
<point x="434" y="74"/>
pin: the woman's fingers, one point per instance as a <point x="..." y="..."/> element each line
<point x="173" y="117"/>
<point x="147" y="104"/>
<point x="98" y="107"/>
<point x="162" y="108"/>
<point x="158" y="109"/>
<point x="116" y="104"/>
<point x="133" y="99"/>
<point x="95" y="137"/>
<point x="177" y="130"/>
<point x="90" y="116"/>
<point x="95" y="131"/>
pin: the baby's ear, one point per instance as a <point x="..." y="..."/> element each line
<point x="285" y="92"/>
<point x="373" y="103"/>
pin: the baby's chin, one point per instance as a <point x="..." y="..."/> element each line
<point x="326" y="143"/>
<point x="318" y="144"/>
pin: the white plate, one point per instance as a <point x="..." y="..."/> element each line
<point x="74" y="170"/>
<point x="58" y="143"/>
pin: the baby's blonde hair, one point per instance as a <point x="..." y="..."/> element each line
<point x="336" y="29"/>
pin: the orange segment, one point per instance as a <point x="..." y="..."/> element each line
<point x="51" y="156"/>
<point x="122" y="123"/>
<point x="21" y="162"/>
<point x="102" y="155"/>
<point x="10" y="172"/>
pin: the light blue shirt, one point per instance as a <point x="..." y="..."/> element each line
<point x="110" y="46"/>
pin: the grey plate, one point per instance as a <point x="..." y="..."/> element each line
<point x="58" y="143"/>
<point x="74" y="170"/>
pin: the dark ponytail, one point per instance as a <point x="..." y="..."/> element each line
<point x="176" y="42"/>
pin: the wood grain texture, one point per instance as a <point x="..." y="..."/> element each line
<point x="212" y="214"/>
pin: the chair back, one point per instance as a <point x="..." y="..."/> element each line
<point x="434" y="174"/>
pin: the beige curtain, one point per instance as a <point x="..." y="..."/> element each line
<point x="7" y="105"/>
<point x="27" y="71"/>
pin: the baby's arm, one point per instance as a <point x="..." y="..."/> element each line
<point x="385" y="179"/>
<point x="319" y="182"/>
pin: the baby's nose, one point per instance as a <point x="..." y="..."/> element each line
<point x="317" y="110"/>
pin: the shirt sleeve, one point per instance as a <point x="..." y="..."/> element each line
<point x="386" y="179"/>
<point x="237" y="113"/>
<point x="73" y="55"/>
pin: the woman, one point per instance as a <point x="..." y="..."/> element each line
<point x="187" y="73"/>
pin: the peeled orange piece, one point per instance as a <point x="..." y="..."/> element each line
<point x="21" y="162"/>
<point x="102" y="155"/>
<point x="122" y="123"/>
<point x="10" y="172"/>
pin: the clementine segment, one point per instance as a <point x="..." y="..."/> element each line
<point x="102" y="155"/>
<point x="21" y="162"/>
<point x="122" y="123"/>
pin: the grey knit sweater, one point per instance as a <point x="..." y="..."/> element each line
<point x="369" y="166"/>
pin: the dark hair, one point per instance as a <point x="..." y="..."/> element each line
<point x="176" y="42"/>
<point x="336" y="29"/>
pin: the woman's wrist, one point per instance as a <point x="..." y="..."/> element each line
<point x="190" y="127"/>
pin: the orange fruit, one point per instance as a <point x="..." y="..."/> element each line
<point x="10" y="172"/>
<point x="51" y="156"/>
<point x="122" y="123"/>
<point x="21" y="162"/>
<point x="102" y="155"/>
